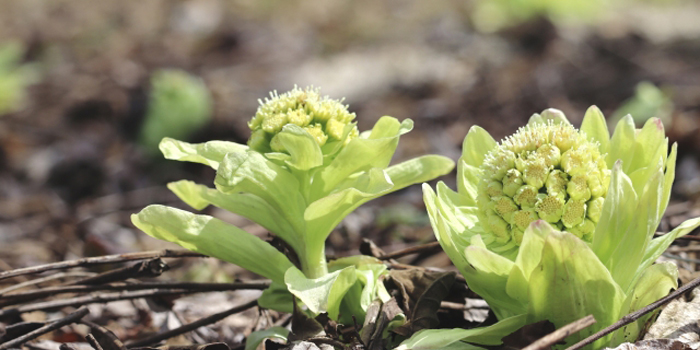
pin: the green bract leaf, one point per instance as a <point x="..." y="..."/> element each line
<point x="443" y="232"/>
<point x="596" y="128"/>
<point x="535" y="119"/>
<point x="529" y="258"/>
<point x="617" y="215"/>
<point x="303" y="148"/>
<point x="244" y="204"/>
<point x="323" y="294"/>
<point x="326" y="213"/>
<point x="250" y="172"/>
<point x="669" y="176"/>
<point x="555" y="115"/>
<point x="582" y="283"/>
<point x="476" y="145"/>
<point x="658" y="245"/>
<point x="418" y="170"/>
<point x="491" y="277"/>
<point x="430" y="339"/>
<point x="208" y="153"/>
<point x="622" y="144"/>
<point x="653" y="284"/>
<point x="647" y="142"/>
<point x="362" y="154"/>
<point x="277" y="297"/>
<point x="467" y="183"/>
<point x="255" y="338"/>
<point x="632" y="243"/>
<point x="213" y="237"/>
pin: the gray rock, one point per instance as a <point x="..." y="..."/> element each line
<point x="679" y="320"/>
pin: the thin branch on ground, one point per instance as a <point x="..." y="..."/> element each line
<point x="93" y="342"/>
<point x="410" y="250"/>
<point x="144" y="269"/>
<point x="100" y="260"/>
<point x="400" y="266"/>
<point x="328" y="341"/>
<point x="93" y="299"/>
<point x="560" y="334"/>
<point x="36" y="281"/>
<point x="449" y="305"/>
<point x="16" y="298"/>
<point x="69" y="319"/>
<point x="191" y="326"/>
<point x="629" y="318"/>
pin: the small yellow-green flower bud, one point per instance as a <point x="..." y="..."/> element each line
<point x="299" y="117"/>
<point x="504" y="207"/>
<point x="526" y="196"/>
<point x="547" y="171"/>
<point x="574" y="213"/>
<point x="512" y="182"/>
<point x="535" y="172"/>
<point x="576" y="161"/>
<point x="518" y="235"/>
<point x="274" y="123"/>
<point x="323" y="118"/>
<point x="583" y="230"/>
<point x="502" y="162"/>
<point x="549" y="208"/>
<point x="595" y="183"/>
<point x="550" y="153"/>
<point x="577" y="188"/>
<point x="523" y="218"/>
<point x="494" y="189"/>
<point x="499" y="228"/>
<point x="316" y="131"/>
<point x="557" y="182"/>
<point x="595" y="208"/>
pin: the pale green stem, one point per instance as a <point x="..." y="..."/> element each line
<point x="313" y="263"/>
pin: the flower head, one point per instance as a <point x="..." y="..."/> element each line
<point x="327" y="120"/>
<point x="547" y="171"/>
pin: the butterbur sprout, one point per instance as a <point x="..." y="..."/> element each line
<point x="304" y="169"/>
<point x="557" y="223"/>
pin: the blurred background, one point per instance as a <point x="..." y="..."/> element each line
<point x="88" y="88"/>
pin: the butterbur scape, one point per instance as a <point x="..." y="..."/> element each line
<point x="555" y="223"/>
<point x="304" y="169"/>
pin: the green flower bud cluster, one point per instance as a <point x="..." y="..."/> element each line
<point x="327" y="120"/>
<point x="547" y="171"/>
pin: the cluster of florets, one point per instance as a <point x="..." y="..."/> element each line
<point x="327" y="120"/>
<point x="544" y="171"/>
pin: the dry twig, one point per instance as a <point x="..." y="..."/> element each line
<point x="71" y="318"/>
<point x="191" y="326"/>
<point x="192" y="286"/>
<point x="560" y="334"/>
<point x="410" y="250"/>
<point x="36" y="281"/>
<point x="629" y="318"/>
<point x="93" y="299"/>
<point x="99" y="260"/>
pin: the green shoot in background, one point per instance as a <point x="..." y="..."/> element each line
<point x="14" y="78"/>
<point x="179" y="104"/>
